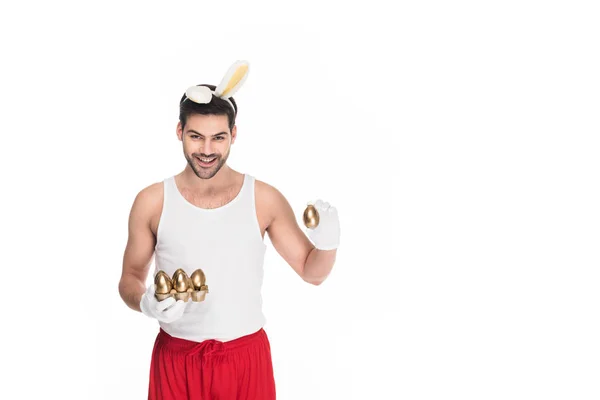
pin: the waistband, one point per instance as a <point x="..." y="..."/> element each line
<point x="207" y="346"/>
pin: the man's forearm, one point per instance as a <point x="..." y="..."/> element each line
<point x="318" y="265"/>
<point x="131" y="290"/>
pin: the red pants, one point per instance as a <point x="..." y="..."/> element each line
<point x="240" y="369"/>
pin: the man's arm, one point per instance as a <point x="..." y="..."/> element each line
<point x="311" y="264"/>
<point x="139" y="250"/>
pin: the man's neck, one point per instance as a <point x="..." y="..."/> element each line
<point x="222" y="179"/>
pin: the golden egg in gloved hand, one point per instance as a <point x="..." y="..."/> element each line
<point x="198" y="279"/>
<point x="163" y="285"/>
<point x="200" y="288"/>
<point x="181" y="283"/>
<point x="311" y="217"/>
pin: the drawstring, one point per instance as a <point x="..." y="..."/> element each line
<point x="207" y="347"/>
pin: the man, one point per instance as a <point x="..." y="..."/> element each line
<point x="213" y="218"/>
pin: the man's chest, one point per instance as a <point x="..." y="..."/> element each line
<point x="211" y="202"/>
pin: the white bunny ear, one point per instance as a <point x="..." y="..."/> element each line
<point x="233" y="79"/>
<point x="199" y="94"/>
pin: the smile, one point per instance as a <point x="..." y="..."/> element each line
<point x="206" y="162"/>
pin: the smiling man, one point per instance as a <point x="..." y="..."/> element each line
<point x="213" y="218"/>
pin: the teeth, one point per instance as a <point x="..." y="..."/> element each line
<point x="206" y="160"/>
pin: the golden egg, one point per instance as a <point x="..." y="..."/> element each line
<point x="311" y="217"/>
<point x="198" y="278"/>
<point x="163" y="283"/>
<point x="181" y="281"/>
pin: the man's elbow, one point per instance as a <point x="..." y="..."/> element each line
<point x="314" y="281"/>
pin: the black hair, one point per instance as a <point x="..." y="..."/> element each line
<point x="217" y="106"/>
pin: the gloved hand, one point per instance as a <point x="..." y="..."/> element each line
<point x="167" y="310"/>
<point x="326" y="236"/>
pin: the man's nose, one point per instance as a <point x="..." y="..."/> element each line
<point x="207" y="148"/>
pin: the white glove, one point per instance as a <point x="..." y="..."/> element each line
<point x="326" y="236"/>
<point x="167" y="310"/>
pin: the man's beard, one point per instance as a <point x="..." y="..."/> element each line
<point x="206" y="173"/>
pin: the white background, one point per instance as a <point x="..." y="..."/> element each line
<point x="458" y="140"/>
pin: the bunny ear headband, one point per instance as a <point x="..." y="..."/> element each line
<point x="231" y="82"/>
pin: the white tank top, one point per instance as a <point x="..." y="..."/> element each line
<point x="226" y="243"/>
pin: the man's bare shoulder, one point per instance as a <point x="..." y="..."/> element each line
<point x="148" y="202"/>
<point x="152" y="193"/>
<point x="270" y="199"/>
<point x="267" y="193"/>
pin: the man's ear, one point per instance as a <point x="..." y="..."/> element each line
<point x="179" y="131"/>
<point x="233" y="134"/>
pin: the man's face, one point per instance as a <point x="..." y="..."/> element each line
<point x="206" y="143"/>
